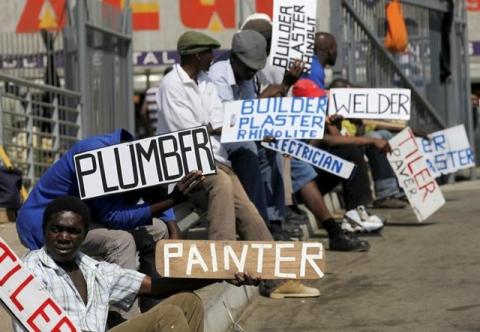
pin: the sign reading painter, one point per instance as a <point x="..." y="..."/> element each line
<point x="282" y="118"/>
<point x="143" y="163"/>
<point x="391" y="104"/>
<point x="222" y="259"/>
<point x="314" y="156"/>
<point x="293" y="32"/>
<point x="414" y="176"/>
<point x="26" y="298"/>
<point x="447" y="151"/>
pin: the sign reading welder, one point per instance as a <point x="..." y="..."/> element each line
<point x="143" y="163"/>
<point x="391" y="104"/>
<point x="26" y="298"/>
<point x="282" y="118"/>
<point x="447" y="151"/>
<point x="293" y="32"/>
<point x="221" y="259"/>
<point x="414" y="176"/>
<point x="314" y="156"/>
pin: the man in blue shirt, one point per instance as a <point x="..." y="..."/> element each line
<point x="325" y="55"/>
<point x="120" y="226"/>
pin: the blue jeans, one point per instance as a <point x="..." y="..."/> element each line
<point x="260" y="172"/>
<point x="384" y="178"/>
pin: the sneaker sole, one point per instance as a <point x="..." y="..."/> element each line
<point x="292" y="295"/>
<point x="354" y="224"/>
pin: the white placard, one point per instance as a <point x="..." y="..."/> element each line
<point x="293" y="32"/>
<point x="414" y="176"/>
<point x="393" y="104"/>
<point x="143" y="163"/>
<point x="26" y="298"/>
<point x="447" y="151"/>
<point x="314" y="156"/>
<point x="282" y="118"/>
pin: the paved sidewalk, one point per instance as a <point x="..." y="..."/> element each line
<point x="417" y="277"/>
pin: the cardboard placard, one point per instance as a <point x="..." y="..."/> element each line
<point x="447" y="151"/>
<point x="391" y="104"/>
<point x="221" y="259"/>
<point x="282" y="118"/>
<point x="314" y="156"/>
<point x="414" y="176"/>
<point x="26" y="299"/>
<point x="143" y="163"/>
<point x="293" y="32"/>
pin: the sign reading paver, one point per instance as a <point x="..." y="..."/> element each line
<point x="370" y="103"/>
<point x="414" y="176"/>
<point x="143" y="163"/>
<point x="26" y="298"/>
<point x="221" y="259"/>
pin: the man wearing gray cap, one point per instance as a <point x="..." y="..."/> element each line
<point x="259" y="169"/>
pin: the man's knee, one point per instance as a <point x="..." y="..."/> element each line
<point x="122" y="250"/>
<point x="222" y="184"/>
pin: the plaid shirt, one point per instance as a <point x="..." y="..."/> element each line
<point x="107" y="284"/>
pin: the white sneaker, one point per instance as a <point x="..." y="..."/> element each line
<point x="359" y="217"/>
<point x="350" y="227"/>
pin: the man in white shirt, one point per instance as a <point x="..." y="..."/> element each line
<point x="187" y="98"/>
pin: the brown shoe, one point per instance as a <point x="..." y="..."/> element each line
<point x="294" y="288"/>
<point x="389" y="203"/>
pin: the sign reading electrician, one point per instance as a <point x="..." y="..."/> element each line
<point x="144" y="163"/>
<point x="293" y="34"/>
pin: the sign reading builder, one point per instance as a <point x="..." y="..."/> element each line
<point x="221" y="259"/>
<point x="393" y="104"/>
<point x="143" y="163"/>
<point x="293" y="32"/>
<point x="282" y="118"/>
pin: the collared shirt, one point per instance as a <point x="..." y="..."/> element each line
<point x="221" y="73"/>
<point x="182" y="104"/>
<point x="107" y="284"/>
<point x="115" y="212"/>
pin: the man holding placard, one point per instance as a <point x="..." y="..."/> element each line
<point x="85" y="288"/>
<point x="120" y="227"/>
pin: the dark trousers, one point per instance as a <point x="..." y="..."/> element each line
<point x="356" y="190"/>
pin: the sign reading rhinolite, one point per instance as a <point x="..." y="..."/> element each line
<point x="221" y="259"/>
<point x="143" y="163"/>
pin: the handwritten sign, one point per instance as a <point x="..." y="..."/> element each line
<point x="293" y="32"/>
<point x="370" y="103"/>
<point x="314" y="156"/>
<point x="26" y="298"/>
<point x="282" y="118"/>
<point x="414" y="176"/>
<point x="447" y="151"/>
<point x="143" y="163"/>
<point x="221" y="259"/>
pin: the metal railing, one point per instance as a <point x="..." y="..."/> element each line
<point x="38" y="124"/>
<point x="366" y="62"/>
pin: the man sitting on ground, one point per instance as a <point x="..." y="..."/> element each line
<point x="85" y="288"/>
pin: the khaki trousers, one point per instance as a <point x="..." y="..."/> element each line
<point x="182" y="312"/>
<point x="230" y="210"/>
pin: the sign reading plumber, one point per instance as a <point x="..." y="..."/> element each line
<point x="143" y="163"/>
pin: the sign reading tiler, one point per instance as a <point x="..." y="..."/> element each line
<point x="414" y="176"/>
<point x="221" y="259"/>
<point x="144" y="163"/>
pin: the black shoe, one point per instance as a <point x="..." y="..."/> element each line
<point x="345" y="242"/>
<point x="296" y="217"/>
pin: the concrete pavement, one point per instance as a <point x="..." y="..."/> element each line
<point x="416" y="277"/>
